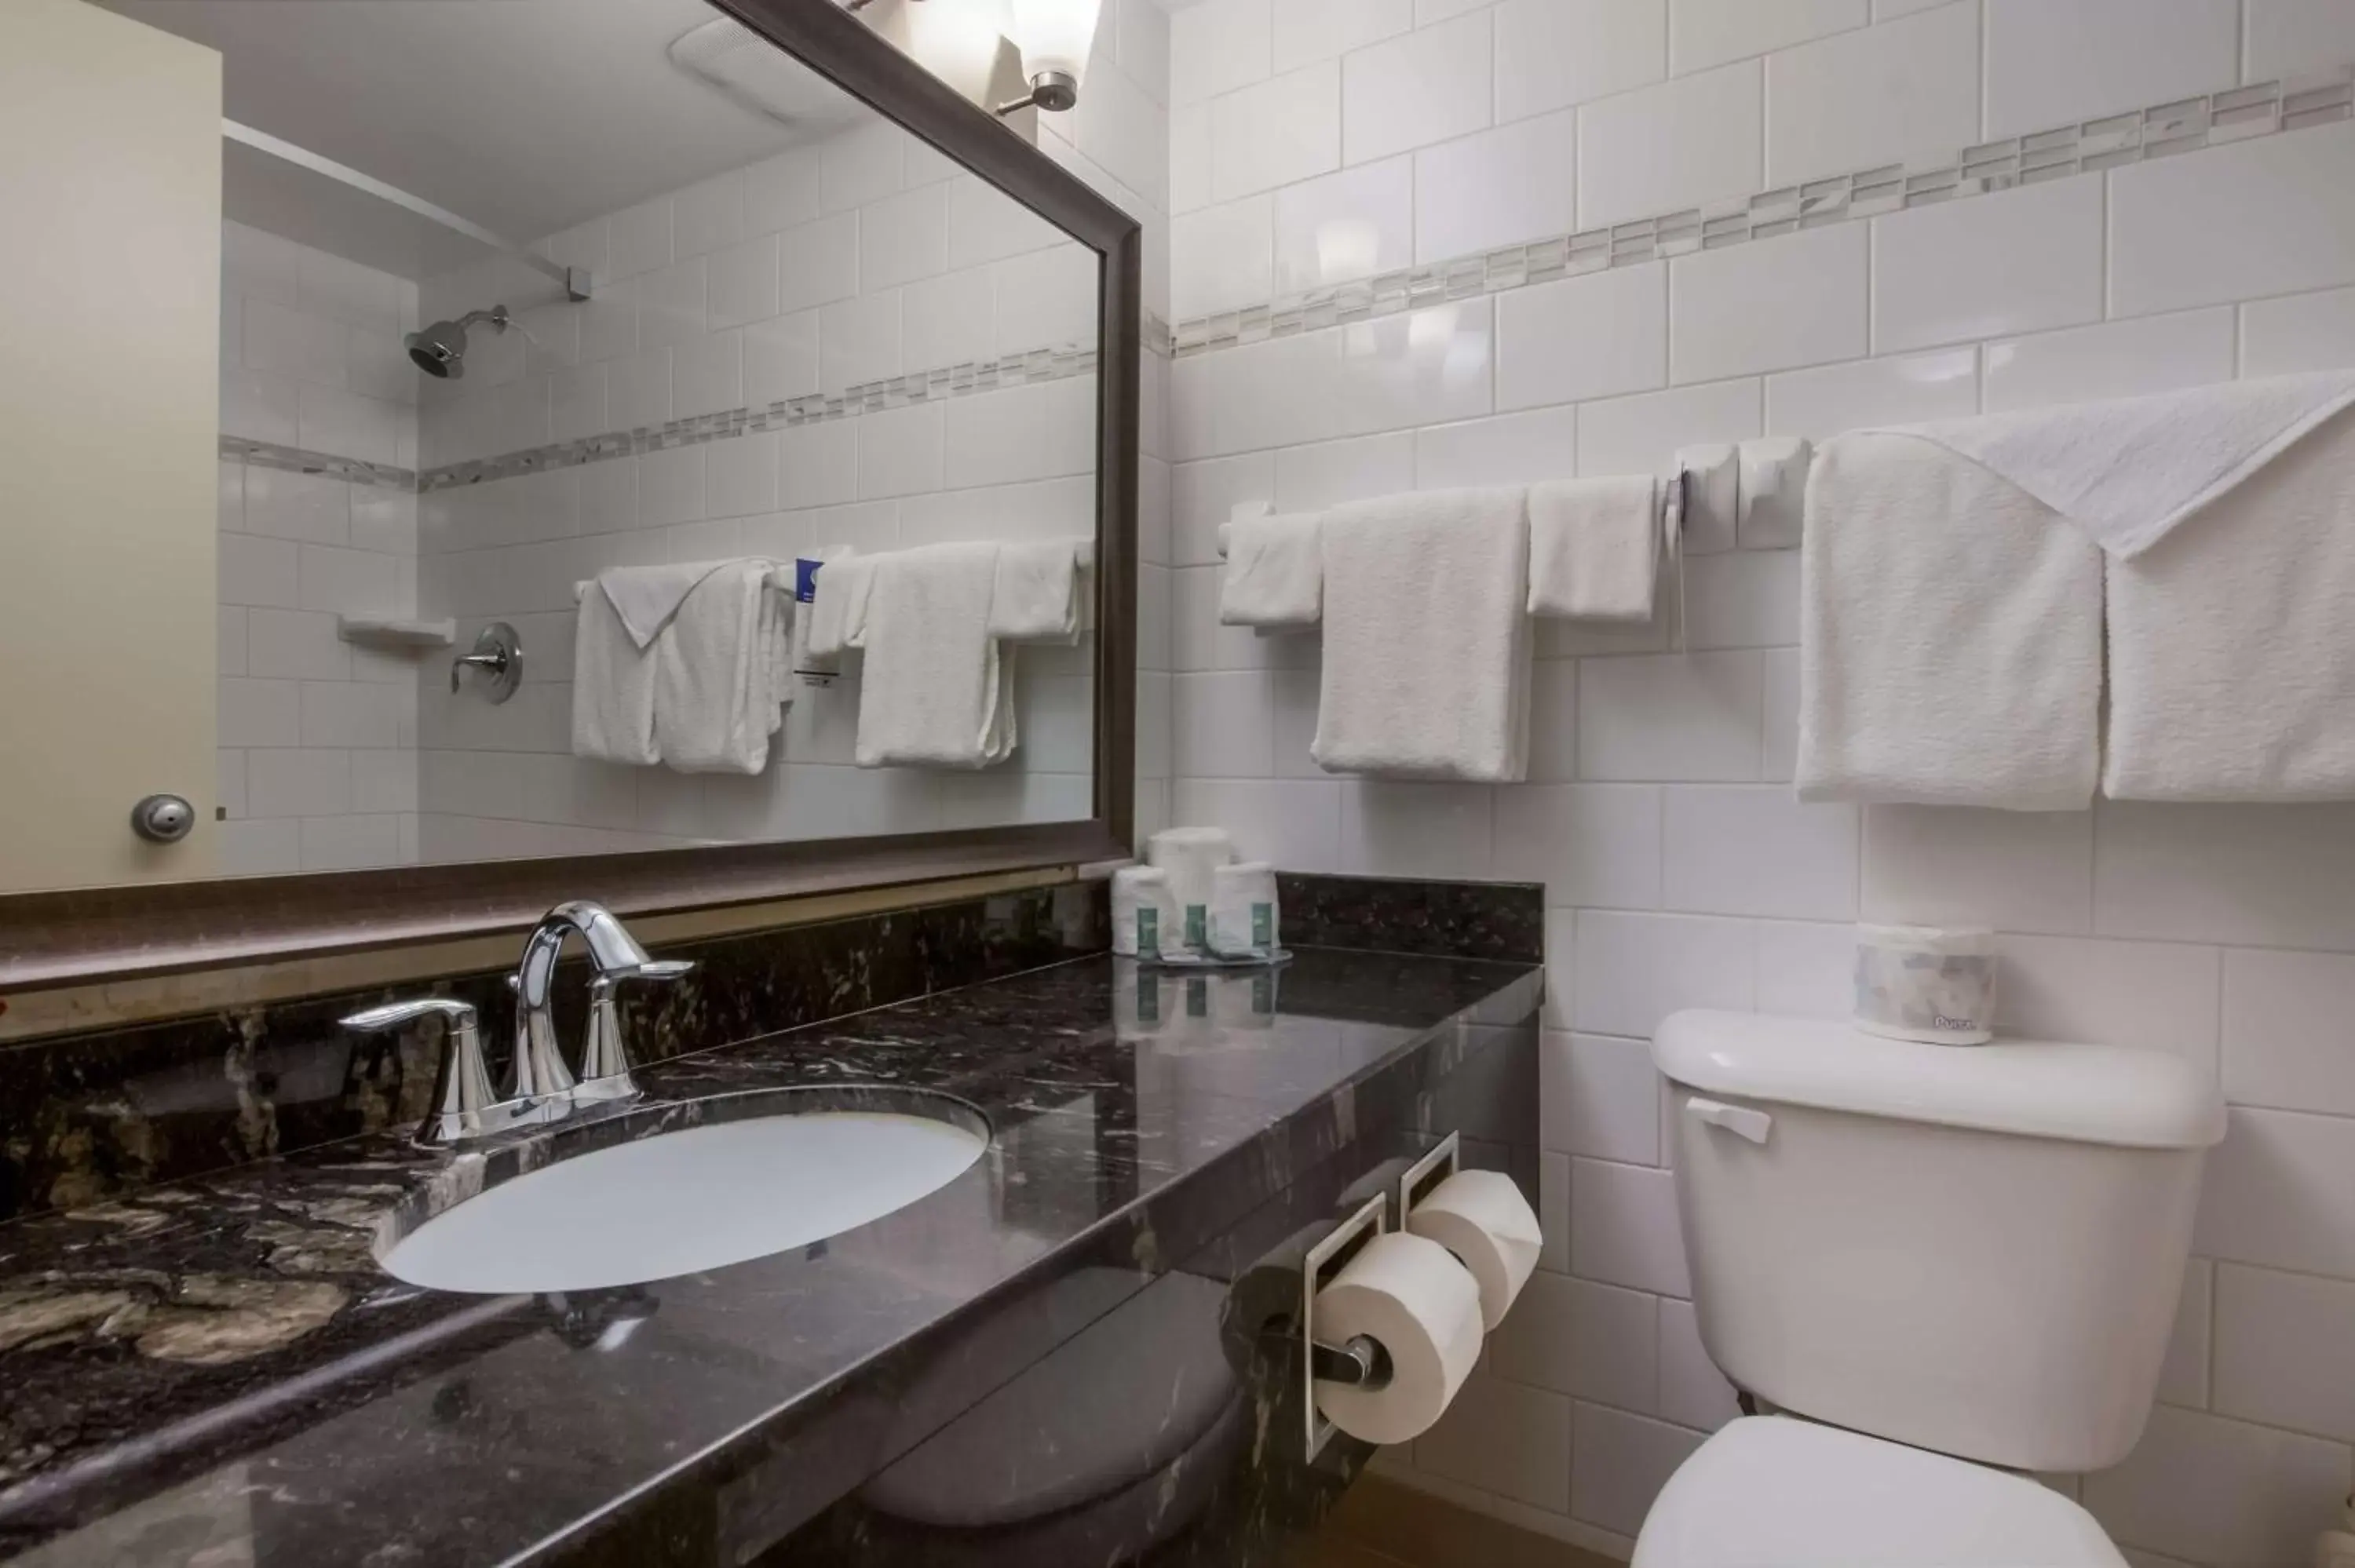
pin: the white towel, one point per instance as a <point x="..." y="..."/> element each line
<point x="1951" y="634"/>
<point x="839" y="608"/>
<point x="1274" y="574"/>
<point x="1774" y="491"/>
<point x="646" y="597"/>
<point x="717" y="665"/>
<point x="1594" y="548"/>
<point x="613" y="687"/>
<point x="1426" y="666"/>
<point x="1712" y="497"/>
<point x="2232" y="667"/>
<point x="1038" y="597"/>
<point x="2130" y="470"/>
<point x="937" y="690"/>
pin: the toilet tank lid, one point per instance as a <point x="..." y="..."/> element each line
<point x="2089" y="1094"/>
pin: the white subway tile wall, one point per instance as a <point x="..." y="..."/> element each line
<point x="317" y="738"/>
<point x="1679" y="870"/>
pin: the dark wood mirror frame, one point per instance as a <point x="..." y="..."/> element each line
<point x="93" y="935"/>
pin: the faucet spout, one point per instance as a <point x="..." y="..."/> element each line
<point x="539" y="1061"/>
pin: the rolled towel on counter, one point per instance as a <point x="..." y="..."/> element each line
<point x="1595" y="548"/>
<point x="1192" y="856"/>
<point x="1244" y="914"/>
<point x="1274" y="575"/>
<point x="1144" y="914"/>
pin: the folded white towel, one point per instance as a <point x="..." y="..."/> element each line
<point x="1774" y="489"/>
<point x="839" y="608"/>
<point x="2130" y="470"/>
<point x="937" y="690"/>
<point x="613" y="687"/>
<point x="1712" y="497"/>
<point x="2231" y="673"/>
<point x="1426" y="666"/>
<point x="717" y="666"/>
<point x="1274" y="574"/>
<point x="1038" y="597"/>
<point x="1594" y="548"/>
<point x="1951" y="634"/>
<point x="646" y="597"/>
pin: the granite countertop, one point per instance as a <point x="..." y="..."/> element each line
<point x="219" y="1362"/>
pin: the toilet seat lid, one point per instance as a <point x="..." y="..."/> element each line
<point x="1771" y="1491"/>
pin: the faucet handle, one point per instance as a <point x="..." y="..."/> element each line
<point x="462" y="1085"/>
<point x="605" y="1061"/>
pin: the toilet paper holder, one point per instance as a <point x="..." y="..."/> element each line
<point x="1445" y="1159"/>
<point x="1361" y="1362"/>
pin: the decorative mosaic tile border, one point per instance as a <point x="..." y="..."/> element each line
<point x="1034" y="368"/>
<point x="295" y="459"/>
<point x="2261" y="108"/>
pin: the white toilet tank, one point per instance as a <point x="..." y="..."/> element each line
<point x="1976" y="1250"/>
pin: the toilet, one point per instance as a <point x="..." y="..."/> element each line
<point x="1945" y="1267"/>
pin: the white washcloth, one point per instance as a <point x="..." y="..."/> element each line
<point x="1951" y="635"/>
<point x="646" y="597"/>
<point x="2130" y="470"/>
<point x="1774" y="491"/>
<point x="839" y="606"/>
<point x="717" y="666"/>
<point x="937" y="690"/>
<point x="1426" y="667"/>
<point x="1594" y="548"/>
<point x="612" y="688"/>
<point x="1274" y="574"/>
<point x="1038" y="596"/>
<point x="818" y="669"/>
<point x="2231" y="669"/>
<point x="1712" y="497"/>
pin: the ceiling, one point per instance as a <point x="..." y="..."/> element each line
<point x="526" y="116"/>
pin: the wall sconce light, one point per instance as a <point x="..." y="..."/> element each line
<point x="1055" y="37"/>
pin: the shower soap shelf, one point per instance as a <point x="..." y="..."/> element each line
<point x="371" y="631"/>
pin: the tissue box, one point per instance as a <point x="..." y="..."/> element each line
<point x="1914" y="982"/>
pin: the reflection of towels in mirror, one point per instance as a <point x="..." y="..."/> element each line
<point x="1038" y="597"/>
<point x="937" y="690"/>
<point x="681" y="665"/>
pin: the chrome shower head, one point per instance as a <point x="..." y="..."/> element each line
<point x="440" y="349"/>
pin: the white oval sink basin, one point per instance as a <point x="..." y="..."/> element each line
<point x="680" y="1202"/>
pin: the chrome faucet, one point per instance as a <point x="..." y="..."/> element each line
<point x="543" y="1089"/>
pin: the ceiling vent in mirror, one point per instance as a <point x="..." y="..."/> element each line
<point x="760" y="77"/>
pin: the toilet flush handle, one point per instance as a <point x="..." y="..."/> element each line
<point x="1738" y="1121"/>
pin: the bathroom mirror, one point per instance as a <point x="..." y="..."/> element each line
<point x="498" y="301"/>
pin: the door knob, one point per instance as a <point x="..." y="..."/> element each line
<point x="163" y="818"/>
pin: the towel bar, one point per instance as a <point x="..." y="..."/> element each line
<point x="1672" y="507"/>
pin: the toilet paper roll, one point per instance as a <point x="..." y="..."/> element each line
<point x="1916" y="983"/>
<point x="1413" y="1298"/>
<point x="1145" y="916"/>
<point x="1481" y="1218"/>
<point x="1191" y="856"/>
<point x="1244" y="913"/>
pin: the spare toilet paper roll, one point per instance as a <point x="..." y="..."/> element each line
<point x="1919" y="982"/>
<point x="1414" y="1299"/>
<point x="1190" y="856"/>
<point x="1144" y="917"/>
<point x="1481" y="1217"/>
<point x="1243" y="909"/>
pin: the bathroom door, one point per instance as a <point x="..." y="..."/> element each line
<point x="109" y="337"/>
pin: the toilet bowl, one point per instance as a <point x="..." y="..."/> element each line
<point x="1948" y="1265"/>
<point x="1771" y="1491"/>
